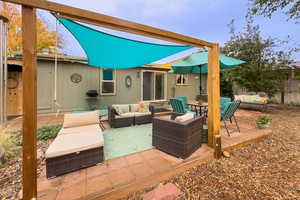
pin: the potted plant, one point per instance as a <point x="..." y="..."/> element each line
<point x="263" y="121"/>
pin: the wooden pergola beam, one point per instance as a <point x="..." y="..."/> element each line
<point x="29" y="33"/>
<point x="112" y="22"/>
<point x="29" y="38"/>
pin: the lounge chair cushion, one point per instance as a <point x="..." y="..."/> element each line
<point x="184" y="117"/>
<point x="125" y="115"/>
<point x="121" y="108"/>
<point x="138" y="114"/>
<point x="81" y="119"/>
<point x="83" y="138"/>
<point x="251" y="99"/>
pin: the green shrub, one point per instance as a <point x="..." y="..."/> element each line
<point x="296" y="77"/>
<point x="264" y="119"/>
<point x="48" y="132"/>
<point x="8" y="142"/>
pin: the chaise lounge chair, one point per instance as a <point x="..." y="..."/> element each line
<point x="228" y="114"/>
<point x="79" y="144"/>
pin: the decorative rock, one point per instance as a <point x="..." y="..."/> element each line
<point x="20" y="194"/>
<point x="163" y="192"/>
<point x="226" y="154"/>
<point x="2" y="154"/>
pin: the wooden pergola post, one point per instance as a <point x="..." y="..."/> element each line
<point x="214" y="118"/>
<point x="29" y="35"/>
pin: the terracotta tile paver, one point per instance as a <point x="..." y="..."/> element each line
<point x="121" y="176"/>
<point x="50" y="194"/>
<point x="117" y="163"/>
<point x="149" y="154"/>
<point x="74" y="178"/>
<point x="141" y="170"/>
<point x="76" y="191"/>
<point x="97" y="170"/>
<point x="134" y="158"/>
<point x="98" y="184"/>
<point x="159" y="164"/>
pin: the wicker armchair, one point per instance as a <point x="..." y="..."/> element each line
<point x="180" y="139"/>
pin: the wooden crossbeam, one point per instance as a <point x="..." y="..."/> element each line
<point x="112" y="22"/>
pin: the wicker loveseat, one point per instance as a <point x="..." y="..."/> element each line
<point x="180" y="139"/>
<point x="79" y="144"/>
<point x="123" y="115"/>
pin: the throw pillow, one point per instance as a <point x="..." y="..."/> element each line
<point x="143" y="107"/>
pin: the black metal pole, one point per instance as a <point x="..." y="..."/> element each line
<point x="200" y="78"/>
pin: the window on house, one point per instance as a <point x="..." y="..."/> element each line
<point x="108" y="82"/>
<point x="182" y="79"/>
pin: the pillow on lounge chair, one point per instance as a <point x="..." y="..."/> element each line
<point x="81" y="119"/>
<point x="184" y="117"/>
<point x="143" y="107"/>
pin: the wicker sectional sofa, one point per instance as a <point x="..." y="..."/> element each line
<point x="179" y="139"/>
<point x="79" y="144"/>
<point x="130" y="115"/>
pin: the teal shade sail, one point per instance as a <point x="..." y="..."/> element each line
<point x="109" y="51"/>
<point x="198" y="63"/>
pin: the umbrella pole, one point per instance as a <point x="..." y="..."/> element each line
<point x="200" y="78"/>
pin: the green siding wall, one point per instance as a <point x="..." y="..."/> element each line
<point x="72" y="96"/>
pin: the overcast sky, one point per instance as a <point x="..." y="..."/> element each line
<point x="204" y="19"/>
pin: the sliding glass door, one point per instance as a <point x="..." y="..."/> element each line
<point x="153" y="86"/>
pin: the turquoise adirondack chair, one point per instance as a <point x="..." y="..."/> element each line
<point x="178" y="106"/>
<point x="184" y="99"/>
<point x="228" y="114"/>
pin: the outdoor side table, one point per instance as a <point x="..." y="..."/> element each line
<point x="200" y="106"/>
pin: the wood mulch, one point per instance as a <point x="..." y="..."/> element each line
<point x="266" y="170"/>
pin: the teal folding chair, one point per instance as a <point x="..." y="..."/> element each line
<point x="224" y="101"/>
<point x="178" y="106"/>
<point x="228" y="114"/>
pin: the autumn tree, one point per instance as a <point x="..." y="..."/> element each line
<point x="268" y="7"/>
<point x="46" y="39"/>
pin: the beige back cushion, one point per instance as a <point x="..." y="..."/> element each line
<point x="121" y="108"/>
<point x="184" y="117"/>
<point x="81" y="119"/>
<point x="134" y="107"/>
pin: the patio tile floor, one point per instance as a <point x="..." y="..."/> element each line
<point x="116" y="174"/>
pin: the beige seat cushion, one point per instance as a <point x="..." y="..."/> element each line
<point x="125" y="115"/>
<point x="81" y="119"/>
<point x="184" y="117"/>
<point x="121" y="108"/>
<point x="67" y="142"/>
<point x="137" y="114"/>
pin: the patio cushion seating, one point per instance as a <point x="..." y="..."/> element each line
<point x="180" y="139"/>
<point x="184" y="117"/>
<point x="255" y="100"/>
<point x="122" y="108"/>
<point x="66" y="143"/>
<point x="81" y="119"/>
<point x="135" y="115"/>
<point x="184" y="99"/>
<point x="125" y="115"/>
<point x="75" y="147"/>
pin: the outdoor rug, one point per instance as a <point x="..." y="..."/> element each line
<point x="123" y="141"/>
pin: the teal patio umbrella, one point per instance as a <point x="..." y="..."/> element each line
<point x="197" y="63"/>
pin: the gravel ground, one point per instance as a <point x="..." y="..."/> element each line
<point x="266" y="170"/>
<point x="11" y="173"/>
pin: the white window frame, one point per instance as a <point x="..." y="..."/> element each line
<point x="186" y="76"/>
<point x="165" y="85"/>
<point x="111" y="81"/>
